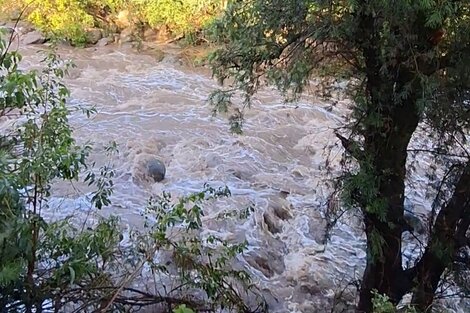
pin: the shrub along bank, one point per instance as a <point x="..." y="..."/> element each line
<point x="83" y="21"/>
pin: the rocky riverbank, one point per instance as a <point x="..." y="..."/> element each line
<point x="156" y="43"/>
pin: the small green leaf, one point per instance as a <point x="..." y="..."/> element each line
<point x="182" y="309"/>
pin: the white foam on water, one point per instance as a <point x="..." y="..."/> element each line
<point x="156" y="110"/>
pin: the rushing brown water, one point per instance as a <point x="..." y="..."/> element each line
<point x="158" y="109"/>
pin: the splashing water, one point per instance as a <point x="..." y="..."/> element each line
<point x="159" y="110"/>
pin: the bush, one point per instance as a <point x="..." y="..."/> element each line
<point x="42" y="261"/>
<point x="203" y="264"/>
<point x="382" y="304"/>
<point x="180" y="16"/>
<point x="66" y="19"/>
<point x="70" y="19"/>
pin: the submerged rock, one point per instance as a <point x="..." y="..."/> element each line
<point x="273" y="224"/>
<point x="156" y="169"/>
<point x="266" y="262"/>
<point x="281" y="208"/>
<point x="278" y="211"/>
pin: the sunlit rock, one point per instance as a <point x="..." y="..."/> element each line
<point x="123" y="19"/>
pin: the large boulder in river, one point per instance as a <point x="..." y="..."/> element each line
<point x="33" y="38"/>
<point x="156" y="169"/>
<point x="267" y="262"/>
<point x="147" y="168"/>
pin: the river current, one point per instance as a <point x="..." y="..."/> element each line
<point x="158" y="110"/>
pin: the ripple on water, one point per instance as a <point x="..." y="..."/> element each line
<point x="157" y="110"/>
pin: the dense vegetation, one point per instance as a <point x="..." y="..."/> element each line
<point x="70" y="19"/>
<point x="79" y="264"/>
<point x="409" y="62"/>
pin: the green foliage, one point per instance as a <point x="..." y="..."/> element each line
<point x="64" y="19"/>
<point x="382" y="304"/>
<point x="70" y="19"/>
<point x="285" y="42"/>
<point x="221" y="101"/>
<point x="104" y="181"/>
<point x="180" y="16"/>
<point x="202" y="263"/>
<point x="86" y="266"/>
<point x="36" y="255"/>
<point x="182" y="309"/>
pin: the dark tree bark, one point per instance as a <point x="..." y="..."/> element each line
<point x="447" y="237"/>
<point x="385" y="142"/>
<point x="384" y="272"/>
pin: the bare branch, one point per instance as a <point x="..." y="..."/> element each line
<point x="352" y="147"/>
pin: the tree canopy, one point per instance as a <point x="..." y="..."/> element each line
<point x="410" y="64"/>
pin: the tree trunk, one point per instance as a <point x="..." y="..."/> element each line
<point x="385" y="144"/>
<point x="390" y="117"/>
<point x="384" y="271"/>
<point x="451" y="223"/>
